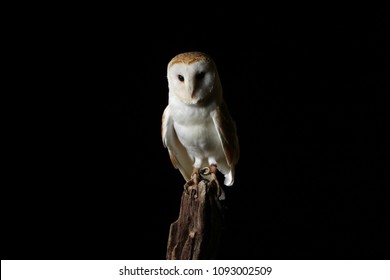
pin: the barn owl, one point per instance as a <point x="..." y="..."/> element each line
<point x="197" y="128"/>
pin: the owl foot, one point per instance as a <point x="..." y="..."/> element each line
<point x="193" y="182"/>
<point x="214" y="181"/>
<point x="210" y="174"/>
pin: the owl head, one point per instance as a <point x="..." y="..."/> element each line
<point x="193" y="78"/>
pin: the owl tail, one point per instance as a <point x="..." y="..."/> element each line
<point x="229" y="178"/>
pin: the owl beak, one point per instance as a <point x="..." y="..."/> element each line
<point x="191" y="90"/>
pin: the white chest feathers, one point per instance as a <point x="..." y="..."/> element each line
<point x="195" y="129"/>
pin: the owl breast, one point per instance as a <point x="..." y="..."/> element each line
<point x="196" y="131"/>
<point x="200" y="140"/>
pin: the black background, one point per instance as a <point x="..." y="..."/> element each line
<point x="89" y="178"/>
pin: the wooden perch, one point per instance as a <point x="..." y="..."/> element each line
<point x="196" y="233"/>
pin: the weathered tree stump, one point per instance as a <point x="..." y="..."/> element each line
<point x="195" y="235"/>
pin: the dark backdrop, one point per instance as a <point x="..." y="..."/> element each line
<point x="89" y="178"/>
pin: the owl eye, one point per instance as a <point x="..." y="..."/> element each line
<point x="200" y="75"/>
<point x="181" y="78"/>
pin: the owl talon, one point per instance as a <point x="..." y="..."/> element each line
<point x="215" y="184"/>
<point x="214" y="181"/>
<point x="193" y="182"/>
<point x="189" y="186"/>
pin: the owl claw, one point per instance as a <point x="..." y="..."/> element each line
<point x="209" y="174"/>
<point x="215" y="184"/>
<point x="193" y="182"/>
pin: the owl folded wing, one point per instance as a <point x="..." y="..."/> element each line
<point x="227" y="132"/>
<point x="177" y="153"/>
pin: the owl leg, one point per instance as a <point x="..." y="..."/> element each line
<point x="210" y="174"/>
<point x="194" y="181"/>
<point x="214" y="181"/>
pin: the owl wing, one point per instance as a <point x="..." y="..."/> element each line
<point x="227" y="133"/>
<point x="177" y="153"/>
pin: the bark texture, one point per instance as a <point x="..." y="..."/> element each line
<point x="195" y="235"/>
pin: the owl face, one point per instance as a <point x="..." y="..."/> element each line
<point x="191" y="77"/>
